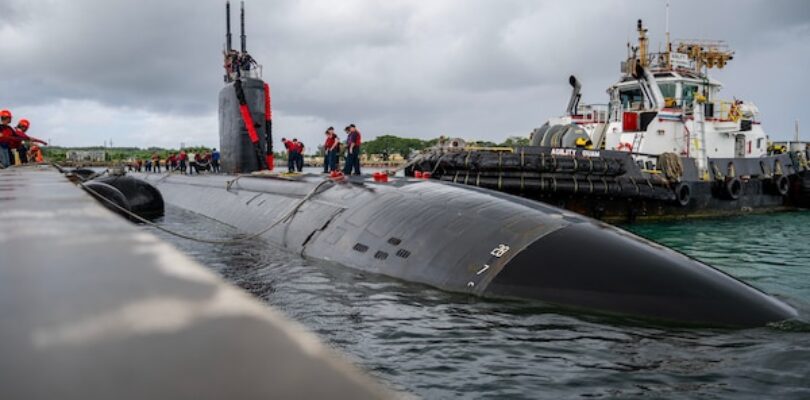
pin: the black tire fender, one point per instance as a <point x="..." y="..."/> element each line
<point x="683" y="193"/>
<point x="782" y="185"/>
<point x="732" y="188"/>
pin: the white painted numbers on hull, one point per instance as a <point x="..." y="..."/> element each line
<point x="497" y="252"/>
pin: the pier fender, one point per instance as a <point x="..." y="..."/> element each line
<point x="683" y="193"/>
<point x="781" y="184"/>
<point x="731" y="188"/>
<point x="144" y="199"/>
<point x="110" y="193"/>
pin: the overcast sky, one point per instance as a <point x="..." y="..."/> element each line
<point x="147" y="73"/>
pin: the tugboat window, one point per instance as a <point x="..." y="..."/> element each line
<point x="668" y="90"/>
<point x="688" y="94"/>
<point x="631" y="98"/>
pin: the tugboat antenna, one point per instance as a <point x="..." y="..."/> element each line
<point x="242" y="19"/>
<point x="668" y="49"/>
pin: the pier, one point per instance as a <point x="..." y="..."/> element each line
<point x="92" y="307"/>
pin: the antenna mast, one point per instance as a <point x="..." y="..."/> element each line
<point x="669" y="44"/>
<point x="228" y="26"/>
<point x="242" y="19"/>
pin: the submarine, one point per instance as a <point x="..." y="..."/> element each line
<point x="450" y="236"/>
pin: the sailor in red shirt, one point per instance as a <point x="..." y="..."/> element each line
<point x="291" y="150"/>
<point x="353" y="151"/>
<point x="299" y="159"/>
<point x="171" y="162"/>
<point x="20" y="137"/>
<point x="6" y="138"/>
<point x="330" y="151"/>
<point x="183" y="157"/>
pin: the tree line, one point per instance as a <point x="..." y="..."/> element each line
<point x="384" y="144"/>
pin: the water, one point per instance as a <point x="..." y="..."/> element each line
<point x="439" y="345"/>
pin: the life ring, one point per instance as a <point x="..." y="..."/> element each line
<point x="622" y="146"/>
<point x="782" y="184"/>
<point x="683" y="193"/>
<point x="732" y="188"/>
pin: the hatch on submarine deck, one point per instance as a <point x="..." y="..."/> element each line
<point x="479" y="242"/>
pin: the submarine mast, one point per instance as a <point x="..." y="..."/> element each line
<point x="245" y="115"/>
<point x="242" y="25"/>
<point x="228" y="47"/>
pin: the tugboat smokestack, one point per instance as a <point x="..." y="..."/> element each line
<point x="573" y="102"/>
<point x="242" y="21"/>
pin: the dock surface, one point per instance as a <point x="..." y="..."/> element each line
<point x="93" y="307"/>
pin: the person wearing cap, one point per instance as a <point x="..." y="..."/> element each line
<point x="20" y="139"/>
<point x="182" y="158"/>
<point x="330" y="150"/>
<point x="215" y="161"/>
<point x="299" y="160"/>
<point x="294" y="149"/>
<point x="288" y="144"/>
<point x="352" y="151"/>
<point x="156" y="162"/>
<point x="6" y="138"/>
<point x="35" y="154"/>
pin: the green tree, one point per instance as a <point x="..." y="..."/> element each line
<point x="390" y="144"/>
<point x="516" y="141"/>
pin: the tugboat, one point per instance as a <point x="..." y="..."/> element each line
<point x="665" y="146"/>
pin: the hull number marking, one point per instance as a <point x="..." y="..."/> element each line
<point x="499" y="251"/>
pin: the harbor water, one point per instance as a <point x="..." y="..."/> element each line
<point x="440" y="345"/>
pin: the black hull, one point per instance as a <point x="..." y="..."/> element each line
<point x="613" y="187"/>
<point x="479" y="242"/>
<point x="705" y="203"/>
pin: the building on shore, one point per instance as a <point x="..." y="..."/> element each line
<point x="86" y="155"/>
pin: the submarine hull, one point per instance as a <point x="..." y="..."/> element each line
<point x="480" y="242"/>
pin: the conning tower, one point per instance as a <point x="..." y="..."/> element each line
<point x="245" y="114"/>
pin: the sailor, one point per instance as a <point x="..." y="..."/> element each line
<point x="198" y="163"/>
<point x="215" y="161"/>
<point x="247" y="62"/>
<point x="299" y="160"/>
<point x="353" y="141"/>
<point x="156" y="162"/>
<point x="330" y="150"/>
<point x="6" y="138"/>
<point x="290" y="154"/>
<point x="182" y="158"/>
<point x="35" y="154"/>
<point x="205" y="162"/>
<point x="20" y="139"/>
<point x="335" y="152"/>
<point x="192" y="163"/>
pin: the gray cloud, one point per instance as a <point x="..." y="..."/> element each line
<point x="482" y="69"/>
